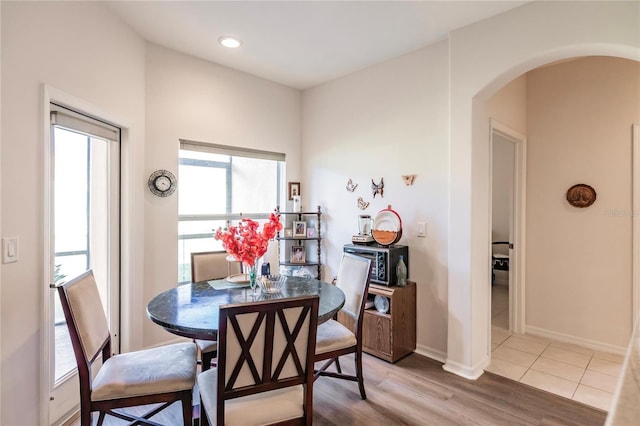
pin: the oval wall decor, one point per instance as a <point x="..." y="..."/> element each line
<point x="581" y="195"/>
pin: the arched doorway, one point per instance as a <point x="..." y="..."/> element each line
<point x="515" y="46"/>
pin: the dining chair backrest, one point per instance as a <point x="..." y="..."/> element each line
<point x="212" y="265"/>
<point x="353" y="279"/>
<point x="264" y="346"/>
<point x="83" y="309"/>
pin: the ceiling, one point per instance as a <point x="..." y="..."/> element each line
<point x="302" y="43"/>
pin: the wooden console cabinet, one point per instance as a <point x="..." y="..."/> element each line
<point x="391" y="335"/>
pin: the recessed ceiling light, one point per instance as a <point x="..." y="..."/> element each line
<point x="230" y="42"/>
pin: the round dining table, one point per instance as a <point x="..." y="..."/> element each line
<point x="192" y="310"/>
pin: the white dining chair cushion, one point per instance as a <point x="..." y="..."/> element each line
<point x="257" y="409"/>
<point x="207" y="345"/>
<point x="352" y="277"/>
<point x="150" y="371"/>
<point x="333" y="336"/>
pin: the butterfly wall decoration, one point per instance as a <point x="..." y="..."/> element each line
<point x="362" y="204"/>
<point x="377" y="188"/>
<point x="351" y="186"/>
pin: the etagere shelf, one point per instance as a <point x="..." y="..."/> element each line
<point x="286" y="242"/>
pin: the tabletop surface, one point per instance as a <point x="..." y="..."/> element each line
<point x="192" y="310"/>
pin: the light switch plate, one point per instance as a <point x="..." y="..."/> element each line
<point x="422" y="229"/>
<point x="9" y="249"/>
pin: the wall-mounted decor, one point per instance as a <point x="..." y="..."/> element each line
<point x="581" y="195"/>
<point x="294" y="189"/>
<point x="362" y="204"/>
<point x="377" y="188"/>
<point x="408" y="179"/>
<point x="162" y="183"/>
<point x="351" y="186"/>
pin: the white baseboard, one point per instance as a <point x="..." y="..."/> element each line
<point x="471" y="373"/>
<point x="435" y="354"/>
<point x="566" y="338"/>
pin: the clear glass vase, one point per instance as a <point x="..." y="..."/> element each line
<point x="253" y="276"/>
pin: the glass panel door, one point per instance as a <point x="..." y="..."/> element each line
<point x="85" y="235"/>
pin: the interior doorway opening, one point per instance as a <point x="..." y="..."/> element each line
<point x="508" y="195"/>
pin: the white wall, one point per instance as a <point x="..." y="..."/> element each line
<point x="579" y="259"/>
<point x="82" y="50"/>
<point x="188" y="98"/>
<point x="383" y="122"/>
<point x="484" y="57"/>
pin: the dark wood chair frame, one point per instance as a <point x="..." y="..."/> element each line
<point x="355" y="325"/>
<point x="208" y="356"/>
<point x="85" y="361"/>
<point x="268" y="379"/>
<point x="497" y="263"/>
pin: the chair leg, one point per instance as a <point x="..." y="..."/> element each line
<point x="338" y="365"/>
<point x="360" y="375"/>
<point x="187" y="409"/>
<point x="207" y="358"/>
<point x="204" y="420"/>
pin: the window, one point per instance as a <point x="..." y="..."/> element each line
<point x="216" y="184"/>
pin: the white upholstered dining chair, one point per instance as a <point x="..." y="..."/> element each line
<point x="264" y="373"/>
<point x="336" y="338"/>
<point x="163" y="374"/>
<point x="211" y="265"/>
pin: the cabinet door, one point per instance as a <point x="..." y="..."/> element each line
<point x="376" y="331"/>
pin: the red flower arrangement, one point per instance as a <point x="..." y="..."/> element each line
<point x="245" y="242"/>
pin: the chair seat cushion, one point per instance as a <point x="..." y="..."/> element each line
<point x="167" y="368"/>
<point x="333" y="336"/>
<point x="257" y="409"/>
<point x="207" y="345"/>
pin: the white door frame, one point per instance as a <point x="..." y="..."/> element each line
<point x="517" y="225"/>
<point x="635" y="223"/>
<point x="54" y="95"/>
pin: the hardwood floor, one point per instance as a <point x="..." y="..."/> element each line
<point x="417" y="391"/>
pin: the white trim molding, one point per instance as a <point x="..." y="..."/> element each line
<point x="635" y="222"/>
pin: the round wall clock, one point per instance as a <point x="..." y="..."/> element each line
<point x="162" y="183"/>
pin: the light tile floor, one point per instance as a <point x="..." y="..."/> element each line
<point x="567" y="370"/>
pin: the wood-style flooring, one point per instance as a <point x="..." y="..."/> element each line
<point x="417" y="391"/>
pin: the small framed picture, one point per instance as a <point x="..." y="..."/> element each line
<point x="287" y="233"/>
<point x="299" y="229"/>
<point x="294" y="189"/>
<point x="298" y="254"/>
<point x="311" y="232"/>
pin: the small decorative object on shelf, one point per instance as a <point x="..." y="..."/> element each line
<point x="299" y="229"/>
<point x="247" y="244"/>
<point x="297" y="203"/>
<point x="401" y="272"/>
<point x="298" y="254"/>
